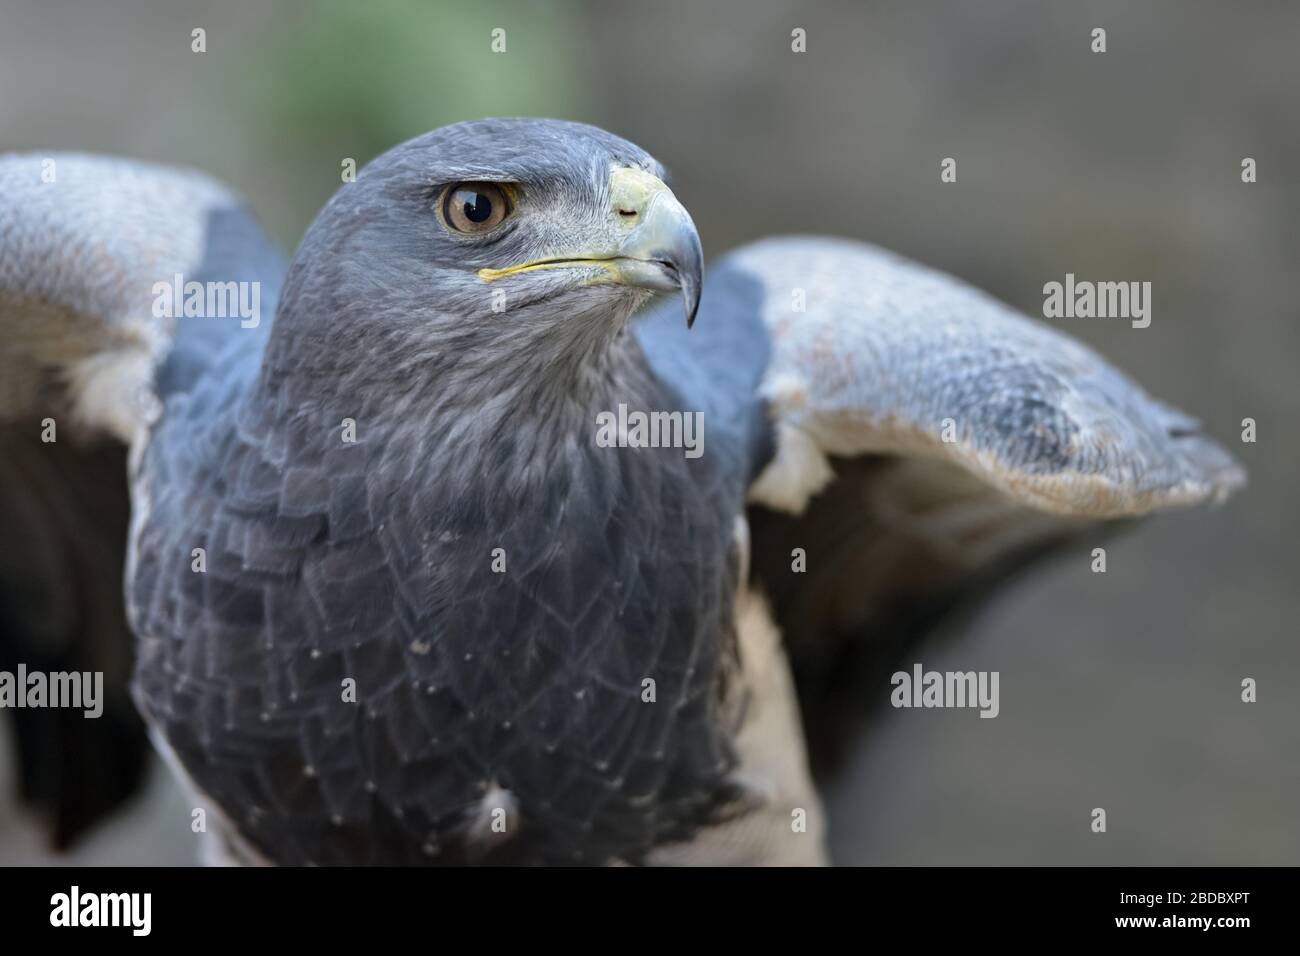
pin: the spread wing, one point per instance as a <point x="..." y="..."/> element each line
<point x="85" y="366"/>
<point x="84" y="241"/>
<point x="917" y="439"/>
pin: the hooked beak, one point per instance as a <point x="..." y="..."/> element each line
<point x="653" y="244"/>
<point x="663" y="252"/>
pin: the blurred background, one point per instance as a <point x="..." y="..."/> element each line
<point x="1119" y="690"/>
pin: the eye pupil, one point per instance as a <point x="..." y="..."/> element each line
<point x="477" y="207"/>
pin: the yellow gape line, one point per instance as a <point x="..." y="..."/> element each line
<point x="491" y="275"/>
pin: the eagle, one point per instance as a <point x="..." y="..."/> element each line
<point x="435" y="546"/>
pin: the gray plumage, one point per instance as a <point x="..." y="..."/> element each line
<point x="371" y="561"/>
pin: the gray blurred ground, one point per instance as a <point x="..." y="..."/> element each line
<point x="1118" y="690"/>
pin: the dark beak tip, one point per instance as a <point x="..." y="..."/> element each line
<point x="692" y="279"/>
<point x="692" y="298"/>
<point x="689" y="278"/>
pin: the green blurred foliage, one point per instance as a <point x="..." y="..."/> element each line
<point x="347" y="79"/>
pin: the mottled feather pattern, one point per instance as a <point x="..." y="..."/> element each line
<point x="887" y="350"/>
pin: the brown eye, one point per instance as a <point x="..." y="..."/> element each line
<point x="475" y="207"/>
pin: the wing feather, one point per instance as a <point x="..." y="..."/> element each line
<point x="84" y="240"/>
<point x="892" y="358"/>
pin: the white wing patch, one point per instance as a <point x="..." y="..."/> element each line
<point x="797" y="471"/>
